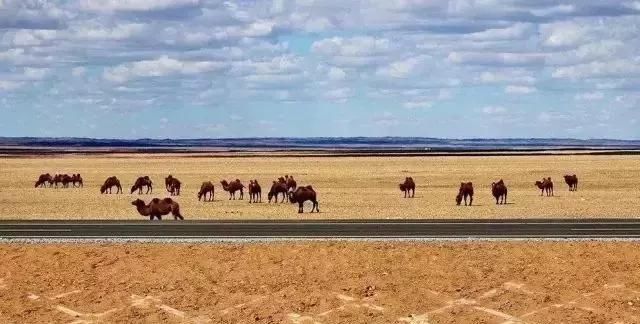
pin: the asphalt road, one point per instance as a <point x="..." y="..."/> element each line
<point x="261" y="229"/>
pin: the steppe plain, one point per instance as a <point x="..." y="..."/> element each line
<point x="348" y="187"/>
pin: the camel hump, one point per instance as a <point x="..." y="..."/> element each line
<point x="309" y="187"/>
<point x="155" y="200"/>
<point x="167" y="200"/>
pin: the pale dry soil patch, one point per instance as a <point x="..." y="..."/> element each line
<point x="322" y="282"/>
<point x="348" y="187"/>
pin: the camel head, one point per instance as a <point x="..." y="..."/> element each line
<point x="138" y="203"/>
<point x="103" y="188"/>
<point x="133" y="188"/>
<point x="402" y="187"/>
<point x="224" y="183"/>
<point x="458" y="199"/>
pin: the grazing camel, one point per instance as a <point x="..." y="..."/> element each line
<point x="232" y="187"/>
<point x="277" y="188"/>
<point x="302" y="194"/>
<point x="255" y="191"/>
<point x="109" y="183"/>
<point x="466" y="190"/>
<point x="43" y="179"/>
<point x="546" y="185"/>
<point x="499" y="191"/>
<point x="206" y="188"/>
<point x="76" y="178"/>
<point x="409" y="187"/>
<point x="158" y="207"/>
<point x="64" y="179"/>
<point x="142" y="182"/>
<point x="173" y="185"/>
<point x="572" y="181"/>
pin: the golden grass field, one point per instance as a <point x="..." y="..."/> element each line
<point x="348" y="187"/>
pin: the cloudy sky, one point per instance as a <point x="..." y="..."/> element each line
<point x="206" y="68"/>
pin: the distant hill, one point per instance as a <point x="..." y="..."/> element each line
<point x="324" y="143"/>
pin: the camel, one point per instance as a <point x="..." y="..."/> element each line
<point x="76" y="178"/>
<point x="232" y="187"/>
<point x="572" y="181"/>
<point x="409" y="187"/>
<point x="173" y="185"/>
<point x="109" y="183"/>
<point x="158" y="207"/>
<point x="499" y="191"/>
<point x="302" y="194"/>
<point x="546" y="185"/>
<point x="43" y="179"/>
<point x="64" y="179"/>
<point x="466" y="190"/>
<point x="291" y="183"/>
<point x="255" y="191"/>
<point x="206" y="187"/>
<point x="142" y="182"/>
<point x="277" y="188"/>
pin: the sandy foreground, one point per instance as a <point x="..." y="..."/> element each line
<point x="322" y="282"/>
<point x="348" y="187"/>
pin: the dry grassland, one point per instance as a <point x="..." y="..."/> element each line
<point x="348" y="187"/>
<point x="304" y="283"/>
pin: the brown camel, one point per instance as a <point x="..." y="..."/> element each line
<point x="572" y="181"/>
<point x="255" y="191"/>
<point x="302" y="194"/>
<point x="76" y="179"/>
<point x="277" y="188"/>
<point x="499" y="191"/>
<point x="158" y="208"/>
<point x="43" y="179"/>
<point x="63" y="179"/>
<point x="173" y="185"/>
<point x="142" y="182"/>
<point x="206" y="187"/>
<point x="291" y="183"/>
<point x="232" y="187"/>
<point x="409" y="187"/>
<point x="466" y="190"/>
<point x="546" y="185"/>
<point x="109" y="183"/>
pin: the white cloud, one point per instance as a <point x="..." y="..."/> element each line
<point x="403" y="68"/>
<point x="513" y="89"/>
<point x="355" y="51"/>
<point x="336" y="74"/>
<point x="513" y="32"/>
<point x="497" y="59"/>
<point x="134" y="5"/>
<point x="35" y="73"/>
<point x="338" y="95"/>
<point x="615" y="68"/>
<point x="162" y="66"/>
<point x="418" y="104"/>
<point x="10" y="85"/>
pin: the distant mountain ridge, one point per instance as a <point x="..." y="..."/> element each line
<point x="388" y="143"/>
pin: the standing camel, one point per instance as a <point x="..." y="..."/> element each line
<point x="499" y="191"/>
<point x="546" y="185"/>
<point x="109" y="183"/>
<point x="173" y="185"/>
<point x="43" y="180"/>
<point x="158" y="208"/>
<point x="572" y="182"/>
<point x="255" y="191"/>
<point x="409" y="187"/>
<point x="232" y="187"/>
<point x="302" y="194"/>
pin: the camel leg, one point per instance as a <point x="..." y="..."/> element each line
<point x="241" y="194"/>
<point x="315" y="205"/>
<point x="300" y="208"/>
<point x="470" y="200"/>
<point x="405" y="194"/>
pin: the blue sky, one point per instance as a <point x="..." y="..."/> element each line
<point x="201" y="68"/>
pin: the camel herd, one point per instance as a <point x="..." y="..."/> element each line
<point x="59" y="179"/>
<point x="285" y="187"/>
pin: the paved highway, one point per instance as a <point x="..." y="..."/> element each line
<point x="261" y="229"/>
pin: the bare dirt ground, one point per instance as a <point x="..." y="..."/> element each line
<point x="348" y="187"/>
<point x="322" y="282"/>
